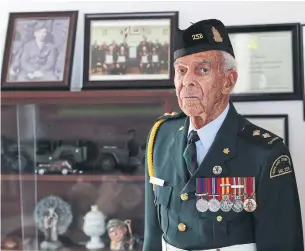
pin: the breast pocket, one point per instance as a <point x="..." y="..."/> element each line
<point x="163" y="195"/>
<point x="226" y="227"/>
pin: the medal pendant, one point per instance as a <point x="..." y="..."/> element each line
<point x="249" y="205"/>
<point x="237" y="205"/>
<point x="202" y="205"/>
<point x="226" y="204"/>
<point x="214" y="205"/>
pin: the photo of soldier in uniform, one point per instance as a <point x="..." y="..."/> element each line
<point x="129" y="49"/>
<point x="38" y="50"/>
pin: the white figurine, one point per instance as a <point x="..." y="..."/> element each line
<point x="53" y="217"/>
<point x="94" y="227"/>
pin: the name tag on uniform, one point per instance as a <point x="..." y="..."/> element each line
<point x="156" y="181"/>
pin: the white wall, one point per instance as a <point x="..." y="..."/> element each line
<point x="231" y="13"/>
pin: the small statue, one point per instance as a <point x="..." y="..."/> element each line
<point x="50" y="225"/>
<point x="94" y="226"/>
<point x="120" y="234"/>
<point x="53" y="217"/>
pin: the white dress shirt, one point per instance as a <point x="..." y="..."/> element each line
<point x="207" y="134"/>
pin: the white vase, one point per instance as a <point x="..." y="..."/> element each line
<point x="94" y="227"/>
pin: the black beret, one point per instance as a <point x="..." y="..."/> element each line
<point x="202" y="36"/>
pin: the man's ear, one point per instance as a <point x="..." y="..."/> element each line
<point x="231" y="79"/>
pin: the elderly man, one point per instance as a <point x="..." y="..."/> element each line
<point x="215" y="181"/>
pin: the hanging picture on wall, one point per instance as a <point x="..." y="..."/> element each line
<point x="129" y="50"/>
<point x="267" y="58"/>
<point x="275" y="123"/>
<point x="39" y="50"/>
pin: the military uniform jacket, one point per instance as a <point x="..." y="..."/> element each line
<point x="242" y="150"/>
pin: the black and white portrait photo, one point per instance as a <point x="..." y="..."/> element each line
<point x="39" y="49"/>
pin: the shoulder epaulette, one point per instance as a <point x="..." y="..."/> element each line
<point x="258" y="135"/>
<point x="173" y="115"/>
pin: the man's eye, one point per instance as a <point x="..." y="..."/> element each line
<point x="203" y="70"/>
<point x="182" y="71"/>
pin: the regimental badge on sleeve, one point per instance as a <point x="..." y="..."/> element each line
<point x="281" y="166"/>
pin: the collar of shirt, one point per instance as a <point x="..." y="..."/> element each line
<point x="208" y="133"/>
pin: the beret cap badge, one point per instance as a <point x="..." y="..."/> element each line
<point x="216" y="35"/>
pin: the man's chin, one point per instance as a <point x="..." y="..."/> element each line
<point x="193" y="112"/>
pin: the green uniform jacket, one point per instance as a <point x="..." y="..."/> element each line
<point x="274" y="226"/>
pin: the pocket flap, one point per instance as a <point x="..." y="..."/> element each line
<point x="163" y="194"/>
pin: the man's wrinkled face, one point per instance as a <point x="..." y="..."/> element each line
<point x="200" y="82"/>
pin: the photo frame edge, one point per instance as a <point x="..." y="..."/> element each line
<point x="60" y="85"/>
<point x="123" y="84"/>
<point x="294" y="27"/>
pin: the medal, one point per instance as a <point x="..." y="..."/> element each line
<point x="214" y="204"/>
<point x="238" y="203"/>
<point x="225" y="204"/>
<point x="202" y="188"/>
<point x="202" y="205"/>
<point x="250" y="203"/>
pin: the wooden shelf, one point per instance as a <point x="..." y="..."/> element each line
<point x="86" y="96"/>
<point x="76" y="177"/>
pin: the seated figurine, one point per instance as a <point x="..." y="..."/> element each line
<point x="120" y="235"/>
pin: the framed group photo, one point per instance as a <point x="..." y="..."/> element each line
<point x="268" y="62"/>
<point x="275" y="123"/>
<point x="129" y="50"/>
<point x="39" y="51"/>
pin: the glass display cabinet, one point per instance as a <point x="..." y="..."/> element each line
<point x="72" y="167"/>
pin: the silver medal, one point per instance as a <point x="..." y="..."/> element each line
<point x="202" y="205"/>
<point x="238" y="205"/>
<point x="226" y="204"/>
<point x="214" y="205"/>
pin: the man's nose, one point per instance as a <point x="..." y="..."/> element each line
<point x="188" y="79"/>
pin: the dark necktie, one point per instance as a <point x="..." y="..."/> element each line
<point x="190" y="154"/>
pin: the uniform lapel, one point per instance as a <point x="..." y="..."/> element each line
<point x="222" y="149"/>
<point x="176" y="150"/>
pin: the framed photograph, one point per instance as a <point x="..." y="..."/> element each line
<point x="275" y="123"/>
<point x="268" y="62"/>
<point x="129" y="50"/>
<point x="39" y="51"/>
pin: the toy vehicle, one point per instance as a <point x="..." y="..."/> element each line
<point x="114" y="157"/>
<point x="56" y="166"/>
<point x="23" y="156"/>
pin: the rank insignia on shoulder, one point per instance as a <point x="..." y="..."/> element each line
<point x="281" y="166"/>
<point x="172" y="115"/>
<point x="258" y="135"/>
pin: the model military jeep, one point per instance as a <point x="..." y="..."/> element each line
<point x="23" y="156"/>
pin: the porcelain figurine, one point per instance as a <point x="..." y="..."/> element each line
<point x="53" y="217"/>
<point x="94" y="227"/>
<point x="120" y="234"/>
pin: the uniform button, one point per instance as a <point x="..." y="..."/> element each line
<point x="182" y="227"/>
<point x="184" y="196"/>
<point x="219" y="218"/>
